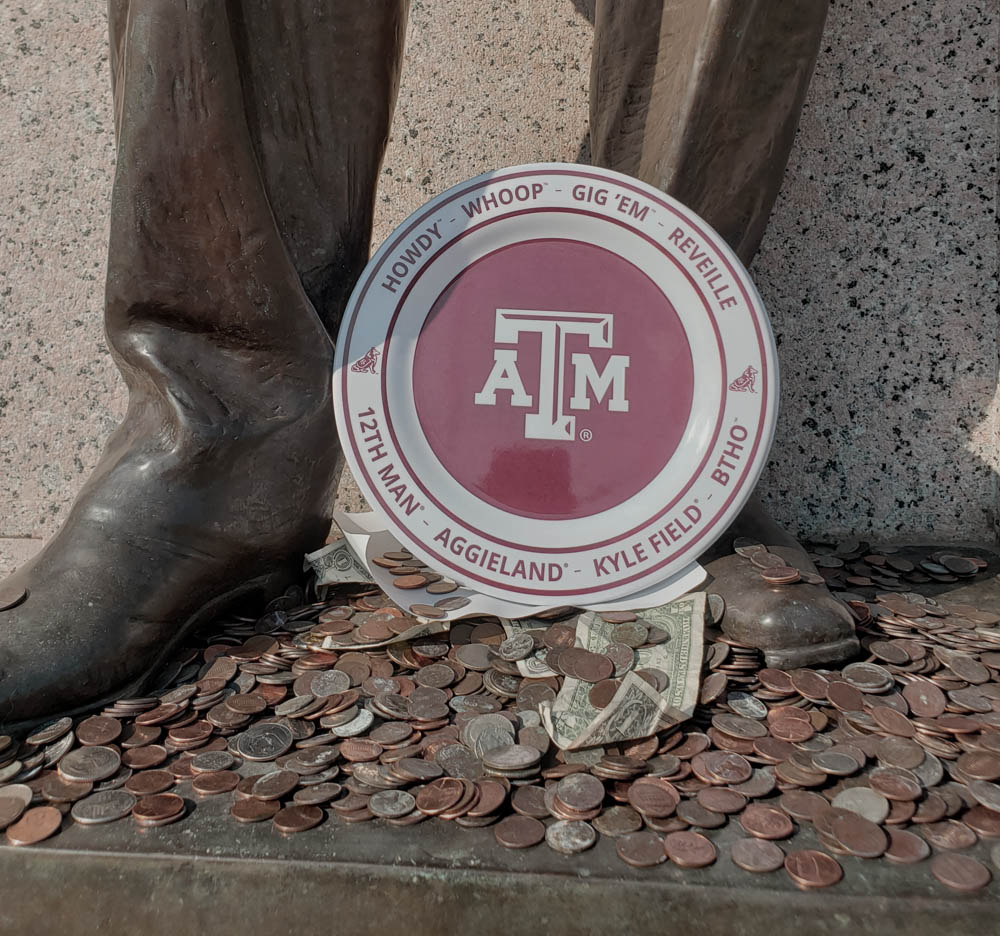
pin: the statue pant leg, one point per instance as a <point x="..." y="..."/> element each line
<point x="249" y="139"/>
<point x="701" y="98"/>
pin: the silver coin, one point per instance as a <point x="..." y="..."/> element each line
<point x="715" y="608"/>
<point x="18" y="791"/>
<point x="487" y="733"/>
<point x="50" y="732"/>
<point x="355" y="727"/>
<point x="113" y="783"/>
<point x="391" y="804"/>
<point x="103" y="807"/>
<point x="516" y="647"/>
<point x="294" y="705"/>
<point x="328" y="683"/>
<point x="743" y="703"/>
<point x="569" y="837"/>
<point x="458" y="761"/>
<point x="931" y="772"/>
<point x="995" y="854"/>
<point x="212" y="761"/>
<point x="10" y="771"/>
<point x="985" y="793"/>
<point x="264" y="741"/>
<point x="58" y="749"/>
<point x="90" y="763"/>
<point x="529" y="718"/>
<point x="863" y="801"/>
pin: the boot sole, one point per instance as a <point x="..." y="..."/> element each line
<point x="271" y="584"/>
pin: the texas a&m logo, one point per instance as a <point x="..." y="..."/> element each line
<point x="547" y="420"/>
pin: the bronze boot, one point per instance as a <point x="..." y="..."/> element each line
<point x="701" y="99"/>
<point x="222" y="473"/>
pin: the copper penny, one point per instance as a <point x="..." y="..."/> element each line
<point x="294" y="819"/>
<point x="757" y="855"/>
<point x="809" y="868"/>
<point x="157" y="807"/>
<point x="212" y="784"/>
<point x="641" y="849"/>
<point x="653" y="796"/>
<point x="438" y="795"/>
<point x="905" y="847"/>
<point x="689" y="849"/>
<point x="34" y="826"/>
<point x="275" y="785"/>
<point x="859" y="836"/>
<point x="766" y="822"/>
<point x="519" y="832"/>
<point x="960" y="872"/>
<point x="98" y="729"/>
<point x="253" y="810"/>
<point x="149" y="782"/>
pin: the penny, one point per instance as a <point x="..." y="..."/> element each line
<point x="766" y="822"/>
<point x="149" y="782"/>
<point x="948" y="834"/>
<point x="905" y="847"/>
<point x="689" y="849"/>
<point x="293" y="819"/>
<point x="641" y="849"/>
<point x="439" y="795"/>
<point x="618" y="820"/>
<point x="141" y="758"/>
<point x="157" y="807"/>
<point x="858" y="836"/>
<point x="519" y="832"/>
<point x="569" y="837"/>
<point x="581" y="792"/>
<point x="427" y="611"/>
<point x="34" y="826"/>
<point x="212" y="784"/>
<point x="809" y="869"/>
<point x="98" y="729"/>
<point x="960" y="872"/>
<point x="693" y="813"/>
<point x="721" y="800"/>
<point x="602" y="693"/>
<point x="275" y="785"/>
<point x="253" y="810"/>
<point x="99" y="808"/>
<point x="654" y="797"/>
<point x="756" y="855"/>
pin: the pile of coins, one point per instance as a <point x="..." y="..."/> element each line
<point x="893" y="756"/>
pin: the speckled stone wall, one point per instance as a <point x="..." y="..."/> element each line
<point x="879" y="266"/>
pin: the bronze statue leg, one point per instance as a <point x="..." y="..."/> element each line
<point x="701" y="98"/>
<point x="249" y="139"/>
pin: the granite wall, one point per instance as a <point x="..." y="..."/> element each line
<point x="879" y="267"/>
